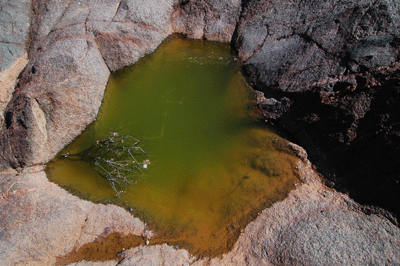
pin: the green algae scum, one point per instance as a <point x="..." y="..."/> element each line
<point x="213" y="166"/>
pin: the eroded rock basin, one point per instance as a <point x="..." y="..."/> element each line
<point x="71" y="46"/>
<point x="213" y="165"/>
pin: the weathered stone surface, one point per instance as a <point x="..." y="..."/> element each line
<point x="14" y="27"/>
<point x="40" y="221"/>
<point x="156" y="255"/>
<point x="296" y="45"/>
<point x="372" y="52"/>
<point x="213" y="20"/>
<point x="272" y="108"/>
<point x="8" y="80"/>
<point x="136" y="29"/>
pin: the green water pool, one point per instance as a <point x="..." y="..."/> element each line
<point x="213" y="165"/>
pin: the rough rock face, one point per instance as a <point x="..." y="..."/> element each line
<point x="135" y="28"/>
<point x="40" y="221"/>
<point x="297" y="45"/>
<point x="212" y="20"/>
<point x="14" y="28"/>
<point x="330" y="74"/>
<point x="353" y="136"/>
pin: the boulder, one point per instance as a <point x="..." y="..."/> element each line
<point x="59" y="93"/>
<point x="296" y="46"/>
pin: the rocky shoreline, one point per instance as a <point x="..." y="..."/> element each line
<point x="328" y="71"/>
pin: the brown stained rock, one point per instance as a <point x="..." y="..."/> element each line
<point x="40" y="221"/>
<point x="213" y="20"/>
<point x="121" y="50"/>
<point x="136" y="29"/>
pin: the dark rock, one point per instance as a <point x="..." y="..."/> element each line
<point x="296" y="45"/>
<point x="274" y="109"/>
<point x="372" y="52"/>
<point x="352" y="135"/>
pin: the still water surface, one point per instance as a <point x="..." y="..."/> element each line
<point x="213" y="165"/>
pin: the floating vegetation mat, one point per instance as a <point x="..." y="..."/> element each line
<point x="209" y="165"/>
